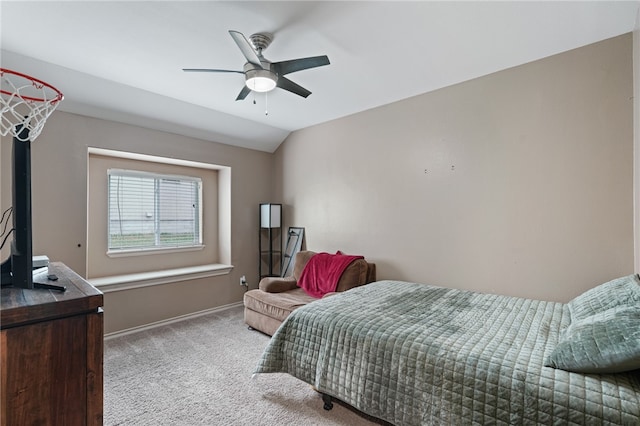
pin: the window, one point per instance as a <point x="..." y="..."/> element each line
<point x="153" y="211"/>
<point x="213" y="207"/>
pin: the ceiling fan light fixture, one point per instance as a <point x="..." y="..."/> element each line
<point x="260" y="80"/>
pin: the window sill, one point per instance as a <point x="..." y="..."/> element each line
<point x="146" y="279"/>
<point x="145" y="252"/>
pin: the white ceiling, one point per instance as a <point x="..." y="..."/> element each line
<point x="123" y="60"/>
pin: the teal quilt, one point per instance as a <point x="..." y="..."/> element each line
<point x="415" y="354"/>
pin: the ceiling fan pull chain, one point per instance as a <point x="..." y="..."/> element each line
<point x="266" y="103"/>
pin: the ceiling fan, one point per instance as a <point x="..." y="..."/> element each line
<point x="262" y="75"/>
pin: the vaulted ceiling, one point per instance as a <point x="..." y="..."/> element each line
<point x="123" y="60"/>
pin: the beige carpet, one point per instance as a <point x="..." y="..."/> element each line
<point x="198" y="372"/>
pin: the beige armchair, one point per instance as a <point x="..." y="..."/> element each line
<point x="276" y="297"/>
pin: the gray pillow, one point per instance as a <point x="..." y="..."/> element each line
<point x="606" y="342"/>
<point x="624" y="291"/>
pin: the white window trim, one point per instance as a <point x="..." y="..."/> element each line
<point x="145" y="251"/>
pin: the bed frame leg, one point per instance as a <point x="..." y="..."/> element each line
<point x="328" y="405"/>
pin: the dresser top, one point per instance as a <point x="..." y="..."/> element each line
<point x="20" y="306"/>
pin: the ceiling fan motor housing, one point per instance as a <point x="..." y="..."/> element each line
<point x="261" y="41"/>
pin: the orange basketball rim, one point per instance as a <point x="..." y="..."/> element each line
<point x="25" y="104"/>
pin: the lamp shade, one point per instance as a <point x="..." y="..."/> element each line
<point x="270" y="215"/>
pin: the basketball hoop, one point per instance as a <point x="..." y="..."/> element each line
<point x="26" y="104"/>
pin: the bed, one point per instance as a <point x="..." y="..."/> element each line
<point x="415" y="354"/>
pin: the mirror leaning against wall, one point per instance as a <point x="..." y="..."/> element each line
<point x="295" y="240"/>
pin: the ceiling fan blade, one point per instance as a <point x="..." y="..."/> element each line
<point x="293" y="65"/>
<point x="243" y="93"/>
<point x="209" y="70"/>
<point x="245" y="48"/>
<point x="286" y="84"/>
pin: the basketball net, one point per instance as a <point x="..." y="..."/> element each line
<point x="25" y="102"/>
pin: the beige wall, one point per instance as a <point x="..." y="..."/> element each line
<point x="539" y="202"/>
<point x="59" y="186"/>
<point x="519" y="182"/>
<point x="636" y="137"/>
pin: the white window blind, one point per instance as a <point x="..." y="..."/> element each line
<point x="150" y="210"/>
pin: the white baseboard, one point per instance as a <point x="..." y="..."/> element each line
<point x="170" y="321"/>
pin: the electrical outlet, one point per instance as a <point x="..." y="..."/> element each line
<point x="243" y="281"/>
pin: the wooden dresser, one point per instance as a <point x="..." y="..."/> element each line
<point x="51" y="347"/>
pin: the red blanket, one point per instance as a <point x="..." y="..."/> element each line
<point x="323" y="271"/>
